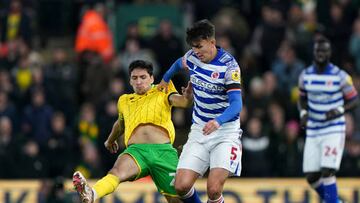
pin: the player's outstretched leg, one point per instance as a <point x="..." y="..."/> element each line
<point x="81" y="186"/>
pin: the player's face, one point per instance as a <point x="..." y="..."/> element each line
<point x="322" y="53"/>
<point x="141" y="80"/>
<point x="204" y="49"/>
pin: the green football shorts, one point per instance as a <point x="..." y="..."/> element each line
<point x="157" y="160"/>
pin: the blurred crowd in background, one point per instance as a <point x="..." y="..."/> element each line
<point x="61" y="74"/>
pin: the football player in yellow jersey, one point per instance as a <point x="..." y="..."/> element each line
<point x="145" y="120"/>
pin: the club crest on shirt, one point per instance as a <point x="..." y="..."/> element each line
<point x="215" y="75"/>
<point x="329" y="83"/>
<point x="235" y="75"/>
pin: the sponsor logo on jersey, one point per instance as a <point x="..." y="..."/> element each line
<point x="320" y="96"/>
<point x="206" y="86"/>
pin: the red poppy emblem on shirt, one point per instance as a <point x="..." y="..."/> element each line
<point x="215" y="75"/>
<point x="329" y="83"/>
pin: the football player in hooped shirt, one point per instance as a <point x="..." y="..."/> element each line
<point x="326" y="93"/>
<point x="214" y="139"/>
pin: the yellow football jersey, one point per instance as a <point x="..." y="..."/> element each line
<point x="152" y="107"/>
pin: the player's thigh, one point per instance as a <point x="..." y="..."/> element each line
<point x="332" y="147"/>
<point x="312" y="155"/>
<point x="125" y="168"/>
<point x="195" y="157"/>
<point x="132" y="163"/>
<point x="227" y="155"/>
<point x="163" y="169"/>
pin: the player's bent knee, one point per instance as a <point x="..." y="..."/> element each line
<point x="214" y="191"/>
<point x="328" y="172"/>
<point x="313" y="177"/>
<point x="182" y="187"/>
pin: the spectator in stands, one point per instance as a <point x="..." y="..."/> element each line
<point x="23" y="77"/>
<point x="132" y="32"/>
<point x="37" y="118"/>
<point x="8" y="109"/>
<point x="88" y="128"/>
<point x="287" y="68"/>
<point x="16" y="24"/>
<point x="108" y="115"/>
<point x="268" y="36"/>
<point x="338" y="30"/>
<point x="224" y="42"/>
<point x="289" y="152"/>
<point x="60" y="147"/>
<point x="230" y="23"/>
<point x="351" y="157"/>
<point x="61" y="78"/>
<point x="166" y="46"/>
<point x="94" y="34"/>
<point x="133" y="51"/>
<point x="31" y="163"/>
<point x="256" y="146"/>
<point x="354" y="46"/>
<point x="90" y="162"/>
<point x="6" y="84"/>
<point x="256" y="101"/>
<point x="94" y="79"/>
<point x="271" y="87"/>
<point x="10" y="55"/>
<point x="9" y="145"/>
<point x="351" y="161"/>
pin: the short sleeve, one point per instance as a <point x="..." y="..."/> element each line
<point x="120" y="105"/>
<point x="232" y="76"/>
<point x="347" y="86"/>
<point x="301" y="83"/>
<point x="171" y="88"/>
<point x="184" y="59"/>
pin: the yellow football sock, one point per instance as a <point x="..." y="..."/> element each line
<point x="106" y="185"/>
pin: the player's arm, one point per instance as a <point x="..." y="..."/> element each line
<point x="175" y="67"/>
<point x="351" y="104"/>
<point x="350" y="96"/>
<point x="233" y="109"/>
<point x="302" y="103"/>
<point x="185" y="100"/>
<point x="117" y="130"/>
<point x="233" y="89"/>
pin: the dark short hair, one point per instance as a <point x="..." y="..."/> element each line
<point x="322" y="40"/>
<point x="202" y="29"/>
<point x="142" y="65"/>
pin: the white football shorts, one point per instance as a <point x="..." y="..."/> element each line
<point x="220" y="150"/>
<point x="323" y="151"/>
